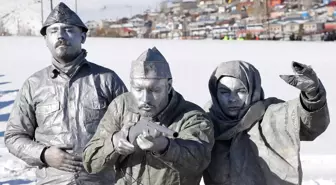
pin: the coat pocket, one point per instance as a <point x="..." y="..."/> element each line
<point x="46" y="112"/>
<point x="94" y="111"/>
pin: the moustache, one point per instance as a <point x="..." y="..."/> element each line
<point x="145" y="106"/>
<point x="62" y="43"/>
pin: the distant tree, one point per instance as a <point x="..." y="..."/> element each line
<point x="106" y="32"/>
<point x="260" y="10"/>
<point x="123" y="20"/>
<point x="24" y="31"/>
<point x="249" y="36"/>
<point x="3" y="30"/>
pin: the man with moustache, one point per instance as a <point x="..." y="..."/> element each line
<point x="59" y="108"/>
<point x="152" y="158"/>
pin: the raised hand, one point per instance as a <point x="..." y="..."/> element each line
<point x="305" y="79"/>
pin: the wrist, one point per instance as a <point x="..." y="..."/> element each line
<point x="312" y="95"/>
<point x="164" y="147"/>
<point x="42" y="157"/>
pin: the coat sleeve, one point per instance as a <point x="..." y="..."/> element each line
<point x="116" y="86"/>
<point x="190" y="153"/>
<point x="20" y="131"/>
<point x="100" y="152"/>
<point x="314" y="115"/>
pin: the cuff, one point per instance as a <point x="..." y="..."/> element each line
<point x="42" y="157"/>
<point x="172" y="152"/>
<point x="36" y="153"/>
<point x="314" y="103"/>
<point x="164" y="150"/>
<point x="109" y="146"/>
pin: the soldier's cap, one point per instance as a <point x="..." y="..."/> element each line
<point x="62" y="14"/>
<point x="151" y="64"/>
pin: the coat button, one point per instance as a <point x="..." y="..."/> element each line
<point x="54" y="73"/>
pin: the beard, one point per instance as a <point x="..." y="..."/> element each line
<point x="147" y="113"/>
<point x="64" y="51"/>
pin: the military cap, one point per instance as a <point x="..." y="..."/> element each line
<point x="62" y="14"/>
<point x="151" y="64"/>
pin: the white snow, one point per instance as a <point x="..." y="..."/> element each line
<point x="191" y="63"/>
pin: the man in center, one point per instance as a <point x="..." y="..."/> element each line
<point x="153" y="158"/>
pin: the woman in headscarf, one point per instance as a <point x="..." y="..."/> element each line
<point x="258" y="139"/>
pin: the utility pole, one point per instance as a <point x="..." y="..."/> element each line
<point x="268" y="20"/>
<point x="76" y="6"/>
<point x="42" y="11"/>
<point x="51" y="5"/>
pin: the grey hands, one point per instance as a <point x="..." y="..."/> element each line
<point x="120" y="142"/>
<point x="305" y="79"/>
<point x="58" y="158"/>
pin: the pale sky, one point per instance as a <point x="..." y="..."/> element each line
<point x="94" y="9"/>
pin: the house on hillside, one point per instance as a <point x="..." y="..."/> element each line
<point x="205" y="3"/>
<point x="188" y="4"/>
<point x="330" y="26"/>
<point x="313" y="27"/>
<point x="293" y="27"/>
<point x="238" y="15"/>
<point x="137" y="22"/>
<point x="275" y="28"/>
<point x="92" y="27"/>
<point x="104" y="24"/>
<point x="277" y="14"/>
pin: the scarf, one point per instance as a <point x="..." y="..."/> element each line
<point x="244" y="163"/>
<point x="72" y="67"/>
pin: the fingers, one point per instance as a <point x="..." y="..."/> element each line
<point x="145" y="133"/>
<point x="156" y="133"/>
<point x="302" y="69"/>
<point x="78" y="158"/>
<point x="67" y="169"/>
<point x="139" y="141"/>
<point x="70" y="168"/>
<point x="124" y="147"/>
<point x="142" y="142"/>
<point x="290" y="79"/>
<point x="298" y="67"/>
<point x="69" y="157"/>
<point x="73" y="163"/>
<point x="126" y="144"/>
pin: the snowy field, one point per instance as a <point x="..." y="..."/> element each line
<point x="191" y="63"/>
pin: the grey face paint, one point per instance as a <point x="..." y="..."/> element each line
<point x="64" y="41"/>
<point x="152" y="95"/>
<point x="232" y="95"/>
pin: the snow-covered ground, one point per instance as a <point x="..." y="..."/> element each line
<point x="191" y="63"/>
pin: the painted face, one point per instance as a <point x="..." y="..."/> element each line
<point x="152" y="95"/>
<point x="232" y="95"/>
<point x="64" y="41"/>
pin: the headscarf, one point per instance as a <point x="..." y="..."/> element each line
<point x="237" y="153"/>
<point x="250" y="77"/>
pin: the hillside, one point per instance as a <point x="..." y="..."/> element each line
<point x="23" y="16"/>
